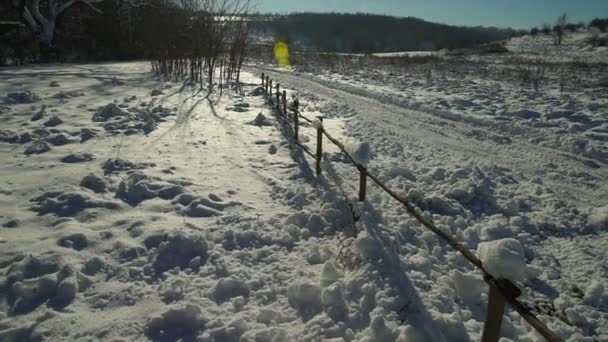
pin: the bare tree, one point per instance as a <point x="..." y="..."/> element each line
<point x="43" y="24"/>
<point x="41" y="16"/>
<point x="559" y="28"/>
<point x="215" y="34"/>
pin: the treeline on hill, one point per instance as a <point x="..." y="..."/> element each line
<point x="562" y="25"/>
<point x="601" y="24"/>
<point x="365" y="33"/>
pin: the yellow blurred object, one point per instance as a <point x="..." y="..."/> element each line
<point x="281" y="54"/>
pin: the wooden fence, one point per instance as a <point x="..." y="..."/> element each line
<point x="502" y="291"/>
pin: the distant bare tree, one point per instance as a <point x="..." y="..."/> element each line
<point x="559" y="28"/>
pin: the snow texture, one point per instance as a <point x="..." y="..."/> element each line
<point x="173" y="216"/>
<point x="503" y="258"/>
<point x="359" y="151"/>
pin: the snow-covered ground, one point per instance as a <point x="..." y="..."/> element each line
<point x="575" y="47"/>
<point x="139" y="209"/>
<point x="491" y="158"/>
<point x="151" y="212"/>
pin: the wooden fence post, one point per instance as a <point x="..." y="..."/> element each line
<point x="270" y="91"/>
<point x="267" y="82"/>
<point x="496" y="308"/>
<point x="263" y="79"/>
<point x="285" y="102"/>
<point x="319" y="144"/>
<point x="362" y="183"/>
<point x="278" y="98"/>
<point x="295" y="124"/>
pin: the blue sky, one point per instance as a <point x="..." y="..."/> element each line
<point x="501" y="13"/>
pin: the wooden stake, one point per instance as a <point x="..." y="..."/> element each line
<point x="295" y="125"/>
<point x="285" y="102"/>
<point x="278" y="97"/>
<point x="263" y="78"/>
<point x="362" y="183"/>
<point x="496" y="308"/>
<point x="319" y="144"/>
<point x="269" y="92"/>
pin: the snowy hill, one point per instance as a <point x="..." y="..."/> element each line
<point x="576" y="47"/>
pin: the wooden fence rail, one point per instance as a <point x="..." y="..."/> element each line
<point x="502" y="291"/>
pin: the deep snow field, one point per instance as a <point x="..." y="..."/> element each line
<point x="136" y="209"/>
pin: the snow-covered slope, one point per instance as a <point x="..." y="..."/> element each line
<point x="575" y="47"/>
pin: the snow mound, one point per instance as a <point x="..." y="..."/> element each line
<point x="94" y="183"/>
<point x="183" y="323"/>
<point x="21" y="97"/>
<point x="130" y="122"/>
<point x="359" y="151"/>
<point x="201" y="206"/>
<point x="37" y="148"/>
<point x="14" y="223"/>
<point x="469" y="287"/>
<point x="77" y="158"/>
<point x="227" y="288"/>
<point x="261" y="120"/>
<point x="77" y="241"/>
<point x="239" y="107"/>
<point x="117" y="165"/>
<point x="137" y="187"/>
<point x="595" y="294"/>
<point x="599" y="218"/>
<point x="64" y="204"/>
<point x="259" y="91"/>
<point x="62" y="95"/>
<point x="305" y="296"/>
<point x="86" y="134"/>
<point x="93" y="266"/>
<point x="59" y="139"/>
<point x="503" y="258"/>
<point x="334" y="303"/>
<point x="180" y="251"/>
<point x="36" y="281"/>
<point x="109" y="111"/>
<point x="39" y="114"/>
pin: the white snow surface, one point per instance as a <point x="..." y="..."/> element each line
<point x="359" y="151"/>
<point x="503" y="258"/>
<point x="487" y="158"/>
<point x="151" y="212"/>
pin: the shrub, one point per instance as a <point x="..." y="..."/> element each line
<point x="534" y="31"/>
<point x="601" y="24"/>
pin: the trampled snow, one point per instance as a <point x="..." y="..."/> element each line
<point x="147" y="211"/>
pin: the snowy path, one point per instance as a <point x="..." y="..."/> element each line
<point x="454" y="140"/>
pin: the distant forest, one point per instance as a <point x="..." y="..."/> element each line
<point x="365" y="33"/>
<point x="115" y="30"/>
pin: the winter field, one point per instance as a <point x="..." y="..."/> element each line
<point x="134" y="208"/>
